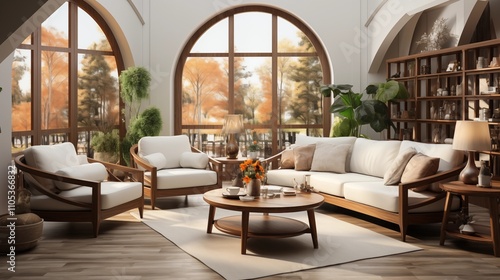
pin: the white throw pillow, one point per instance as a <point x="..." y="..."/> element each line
<point x="194" y="160"/>
<point x="91" y="171"/>
<point x="157" y="160"/>
<point x="330" y="157"/>
<point x="393" y="174"/>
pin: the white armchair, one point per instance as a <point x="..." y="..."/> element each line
<point x="173" y="167"/>
<point x="73" y="188"/>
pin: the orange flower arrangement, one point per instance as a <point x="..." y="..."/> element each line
<point x="252" y="170"/>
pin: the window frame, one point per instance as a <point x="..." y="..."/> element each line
<point x="36" y="48"/>
<point x="229" y="14"/>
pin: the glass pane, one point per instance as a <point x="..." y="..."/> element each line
<point x="215" y="39"/>
<point x="54" y="96"/>
<point x="20" y="143"/>
<point x="253" y="91"/>
<point x="50" y="139"/>
<point x="252" y="32"/>
<point x="90" y="34"/>
<point x="98" y="104"/>
<point x="21" y="91"/>
<point x="299" y="98"/>
<point x="55" y="28"/>
<point x="210" y="141"/>
<point x="27" y="41"/>
<point x="204" y="88"/>
<point x="292" y="39"/>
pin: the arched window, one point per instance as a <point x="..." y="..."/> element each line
<point x="259" y="62"/>
<point x="65" y="80"/>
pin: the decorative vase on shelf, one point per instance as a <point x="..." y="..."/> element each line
<point x="253" y="187"/>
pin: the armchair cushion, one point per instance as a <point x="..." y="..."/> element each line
<point x="156" y="159"/>
<point x="112" y="194"/>
<point x="174" y="178"/>
<point x="51" y="158"/>
<point x="90" y="171"/>
<point x="194" y="160"/>
<point x="171" y="147"/>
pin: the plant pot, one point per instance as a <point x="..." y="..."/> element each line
<point x="26" y="236"/>
<point x="253" y="155"/>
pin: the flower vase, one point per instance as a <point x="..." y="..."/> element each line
<point x="253" y="187"/>
<point x="253" y="155"/>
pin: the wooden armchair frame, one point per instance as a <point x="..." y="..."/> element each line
<point x="151" y="184"/>
<point x="92" y="212"/>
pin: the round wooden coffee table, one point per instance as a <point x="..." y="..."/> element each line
<point x="263" y="226"/>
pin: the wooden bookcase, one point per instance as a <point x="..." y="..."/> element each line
<point x="445" y="86"/>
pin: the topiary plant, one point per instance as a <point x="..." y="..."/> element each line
<point x="148" y="123"/>
<point x="134" y="87"/>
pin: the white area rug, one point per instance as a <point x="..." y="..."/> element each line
<point x="339" y="242"/>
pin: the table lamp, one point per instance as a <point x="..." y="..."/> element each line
<point x="232" y="124"/>
<point x="471" y="136"/>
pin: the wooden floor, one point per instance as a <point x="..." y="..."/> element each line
<point x="128" y="249"/>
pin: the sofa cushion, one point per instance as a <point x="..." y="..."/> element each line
<point x="112" y="194"/>
<point x="171" y="147"/>
<point x="91" y="171"/>
<point x="418" y="167"/>
<point x="173" y="178"/>
<point x="373" y="157"/>
<point x="393" y="174"/>
<point x="157" y="160"/>
<point x="194" y="160"/>
<point x="287" y="159"/>
<point x="378" y="195"/>
<point x="303" y="156"/>
<point x="330" y="157"/>
<point x="327" y="182"/>
<point x="51" y="158"/>
<point x="302" y="139"/>
<point x="448" y="157"/>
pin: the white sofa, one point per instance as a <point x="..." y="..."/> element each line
<point x="351" y="175"/>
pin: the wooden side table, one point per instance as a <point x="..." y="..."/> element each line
<point x="491" y="194"/>
<point x="231" y="167"/>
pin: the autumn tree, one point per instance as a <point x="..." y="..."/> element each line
<point x="98" y="93"/>
<point x="54" y="110"/>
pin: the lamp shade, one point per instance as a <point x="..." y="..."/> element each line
<point x="472" y="136"/>
<point x="232" y="124"/>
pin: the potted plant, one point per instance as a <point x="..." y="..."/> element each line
<point x="134" y="85"/>
<point x="148" y="123"/>
<point x="354" y="111"/>
<point x="106" y="146"/>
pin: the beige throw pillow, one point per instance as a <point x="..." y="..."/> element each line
<point x="287" y="159"/>
<point x="303" y="156"/>
<point x="330" y="157"/>
<point x="393" y="174"/>
<point x="418" y="167"/>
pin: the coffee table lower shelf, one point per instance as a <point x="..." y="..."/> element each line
<point x="263" y="226"/>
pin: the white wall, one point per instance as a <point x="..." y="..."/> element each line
<point x="5" y="125"/>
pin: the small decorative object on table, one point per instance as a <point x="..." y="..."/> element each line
<point x="465" y="222"/>
<point x="306" y="186"/>
<point x="253" y="173"/>
<point x="484" y="178"/>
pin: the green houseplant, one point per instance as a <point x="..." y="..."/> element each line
<point x="106" y="145"/>
<point x="148" y="123"/>
<point x="134" y="85"/>
<point x="354" y="111"/>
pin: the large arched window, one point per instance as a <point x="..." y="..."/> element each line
<point x="259" y="62"/>
<point x="65" y="80"/>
